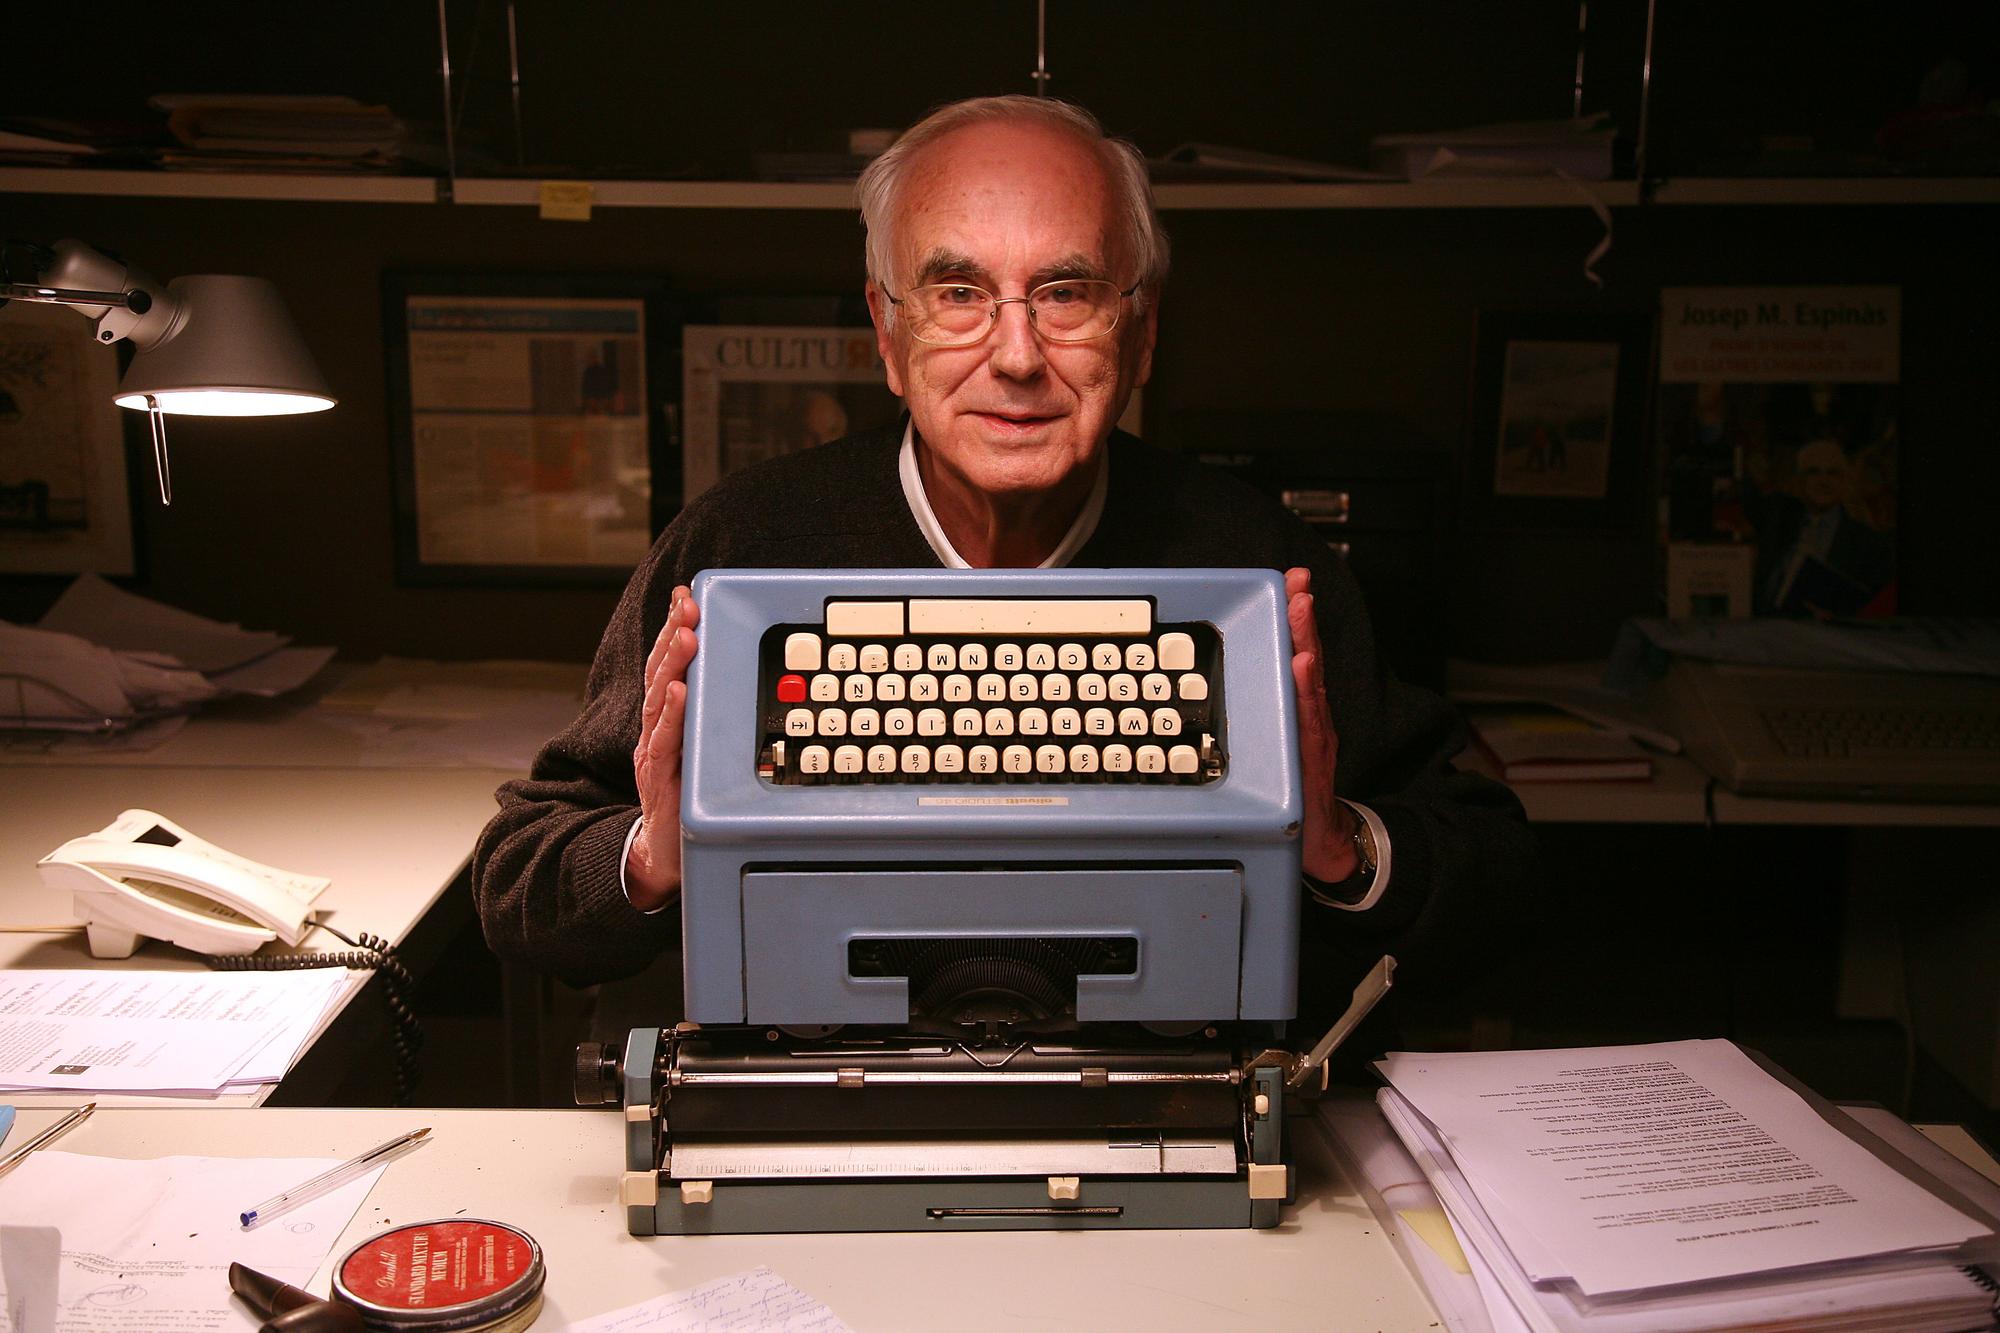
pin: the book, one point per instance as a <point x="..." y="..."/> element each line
<point x="1531" y="742"/>
<point x="1778" y="419"/>
<point x="1709" y="579"/>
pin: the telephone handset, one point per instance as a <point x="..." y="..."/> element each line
<point x="144" y="875"/>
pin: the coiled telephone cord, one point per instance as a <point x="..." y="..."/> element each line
<point x="369" y="953"/>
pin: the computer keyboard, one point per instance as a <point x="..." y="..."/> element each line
<point x="996" y="690"/>
<point x="1870" y="733"/>
<point x="1853" y="735"/>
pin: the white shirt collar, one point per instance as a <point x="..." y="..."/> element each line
<point x="927" y="521"/>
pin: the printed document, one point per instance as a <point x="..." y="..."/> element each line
<point x="119" y="1246"/>
<point x="1913" y="1296"/>
<point x="103" y="1031"/>
<point x="1627" y="1167"/>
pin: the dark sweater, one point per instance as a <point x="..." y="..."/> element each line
<point x="546" y="872"/>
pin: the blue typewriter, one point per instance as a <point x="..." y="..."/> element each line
<point x="990" y="907"/>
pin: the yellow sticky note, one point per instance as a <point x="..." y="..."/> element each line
<point x="1434" y="1229"/>
<point x="566" y="201"/>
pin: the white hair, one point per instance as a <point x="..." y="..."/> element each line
<point x="1132" y="192"/>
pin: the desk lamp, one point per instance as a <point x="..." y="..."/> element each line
<point x="210" y="345"/>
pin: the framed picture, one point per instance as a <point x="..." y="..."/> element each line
<point x="1558" y="421"/>
<point x="762" y="377"/>
<point x="66" y="489"/>
<point x="529" y="424"/>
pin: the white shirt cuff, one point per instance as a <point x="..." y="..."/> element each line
<point x="1383" y="857"/>
<point x="631" y="835"/>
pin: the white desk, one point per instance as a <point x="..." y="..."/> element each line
<point x="554" y="1173"/>
<point x="1676" y="794"/>
<point x="1891" y="953"/>
<point x="280" y="783"/>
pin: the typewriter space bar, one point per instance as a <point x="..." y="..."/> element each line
<point x="1022" y="615"/>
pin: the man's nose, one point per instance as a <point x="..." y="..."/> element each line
<point x="1017" y="352"/>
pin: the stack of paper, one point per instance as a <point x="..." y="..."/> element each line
<point x="1668" y="1188"/>
<point x="103" y="659"/>
<point x="1579" y="148"/>
<point x="158" y="1032"/>
<point x="284" y="132"/>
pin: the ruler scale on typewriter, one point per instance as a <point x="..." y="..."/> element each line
<point x="989" y="909"/>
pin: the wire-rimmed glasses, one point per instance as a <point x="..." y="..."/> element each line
<point x="958" y="314"/>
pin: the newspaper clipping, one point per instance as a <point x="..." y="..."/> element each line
<point x="1778" y="412"/>
<point x="1556" y="404"/>
<point x="528" y="431"/>
<point x="752" y="392"/>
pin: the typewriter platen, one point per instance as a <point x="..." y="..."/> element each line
<point x="989" y="909"/>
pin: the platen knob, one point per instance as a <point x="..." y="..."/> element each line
<point x="598" y="1075"/>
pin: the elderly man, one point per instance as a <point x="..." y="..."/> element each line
<point x="1015" y="266"/>
<point x="1812" y="555"/>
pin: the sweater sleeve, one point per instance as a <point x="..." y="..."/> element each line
<point x="1464" y="855"/>
<point x="546" y="872"/>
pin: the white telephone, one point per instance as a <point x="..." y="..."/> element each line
<point x="144" y="875"/>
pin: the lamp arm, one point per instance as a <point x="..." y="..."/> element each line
<point x="123" y="302"/>
<point x="136" y="301"/>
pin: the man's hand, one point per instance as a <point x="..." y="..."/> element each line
<point x="1328" y="836"/>
<point x="653" y="866"/>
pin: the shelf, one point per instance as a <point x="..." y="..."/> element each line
<point x="838" y="196"/>
<point x="833" y="195"/>
<point x="356" y="189"/>
<point x="1507" y="192"/>
<point x="1172" y="197"/>
<point x="1894" y="190"/>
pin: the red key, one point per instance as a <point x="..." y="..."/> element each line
<point x="791" y="689"/>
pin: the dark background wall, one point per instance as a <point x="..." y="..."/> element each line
<point x="1364" y="317"/>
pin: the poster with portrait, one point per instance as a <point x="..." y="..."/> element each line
<point x="65" y="507"/>
<point x="523" y="448"/>
<point x="1778" y="419"/>
<point x="753" y="391"/>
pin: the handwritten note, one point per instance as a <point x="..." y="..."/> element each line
<point x="758" y="1301"/>
<point x="146" y="1245"/>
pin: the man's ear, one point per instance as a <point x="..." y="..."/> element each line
<point x="885" y="343"/>
<point x="1142" y="360"/>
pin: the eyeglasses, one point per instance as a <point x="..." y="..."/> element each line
<point x="957" y="314"/>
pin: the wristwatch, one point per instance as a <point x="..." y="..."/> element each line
<point x="1355" y="887"/>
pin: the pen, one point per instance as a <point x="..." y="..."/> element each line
<point x="326" y="1180"/>
<point x="60" y="1127"/>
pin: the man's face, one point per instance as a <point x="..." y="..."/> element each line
<point x="1008" y="207"/>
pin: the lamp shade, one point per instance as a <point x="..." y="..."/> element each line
<point x="231" y="350"/>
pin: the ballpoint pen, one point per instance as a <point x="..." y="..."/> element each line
<point x="326" y="1180"/>
<point x="62" y="1126"/>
